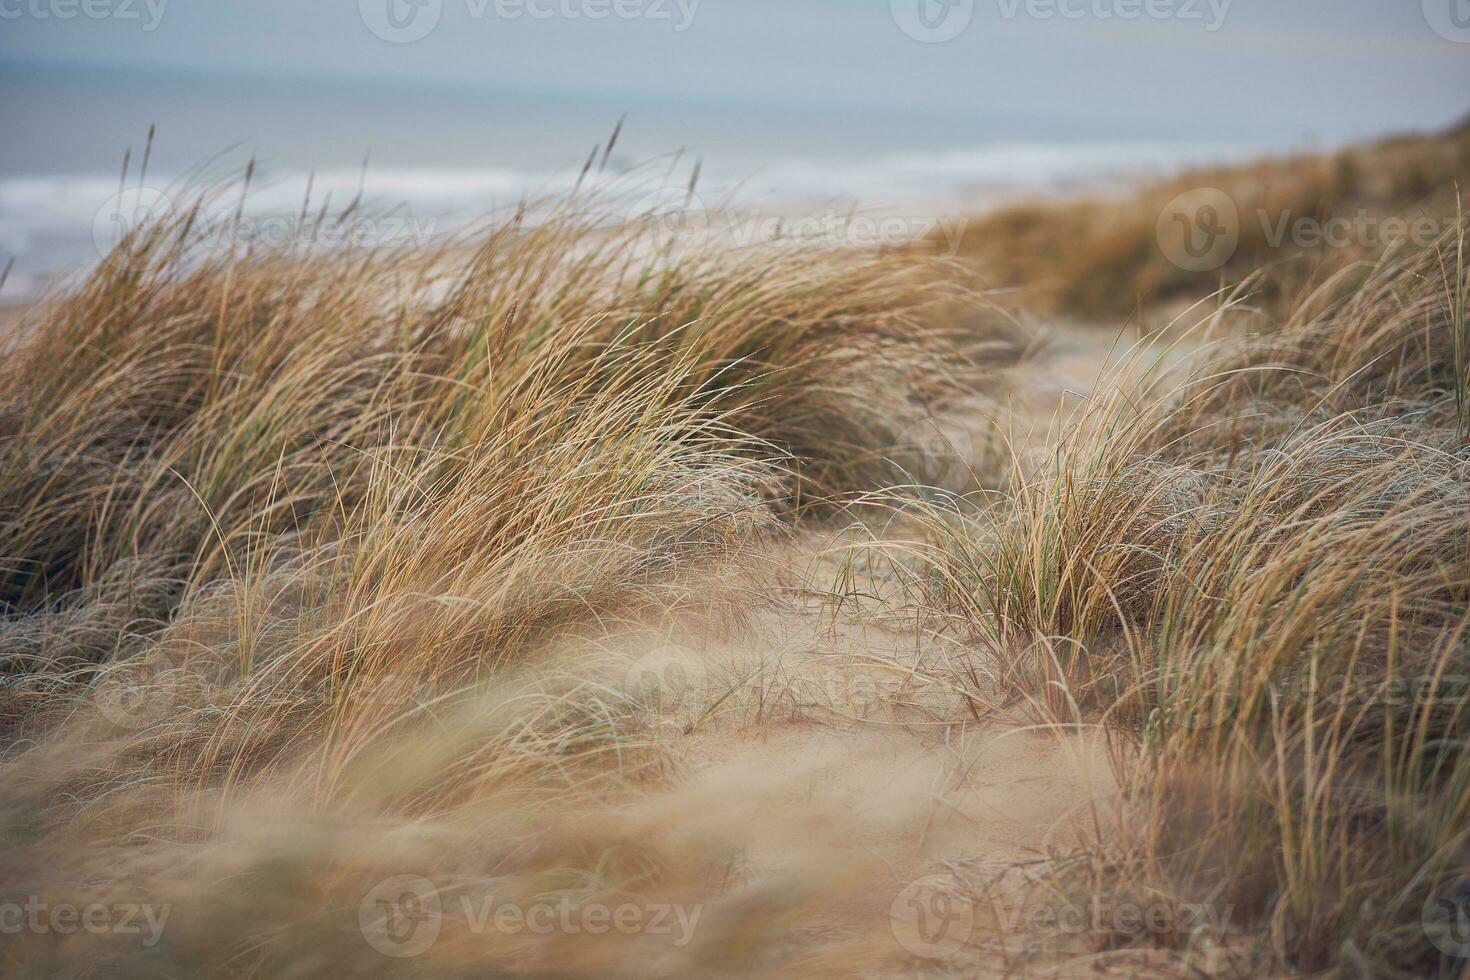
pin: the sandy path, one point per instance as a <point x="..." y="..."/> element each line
<point x="845" y="757"/>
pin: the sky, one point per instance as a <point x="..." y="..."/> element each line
<point x="1283" y="70"/>
<point x="458" y="108"/>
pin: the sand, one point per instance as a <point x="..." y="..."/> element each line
<point x="845" y="760"/>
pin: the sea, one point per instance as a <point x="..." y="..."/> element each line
<point x="77" y="167"/>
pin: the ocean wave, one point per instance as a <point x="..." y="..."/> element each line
<point x="52" y="225"/>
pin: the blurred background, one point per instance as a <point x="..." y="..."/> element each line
<point x="448" y="109"/>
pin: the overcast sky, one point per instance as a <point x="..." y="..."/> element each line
<point x="1313" y="69"/>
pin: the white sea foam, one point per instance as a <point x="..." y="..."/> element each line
<point x="50" y="225"/>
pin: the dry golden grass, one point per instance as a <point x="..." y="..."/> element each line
<point x="321" y="572"/>
<point x="313" y="539"/>
<point x="1101" y="261"/>
<point x="1258" y="580"/>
